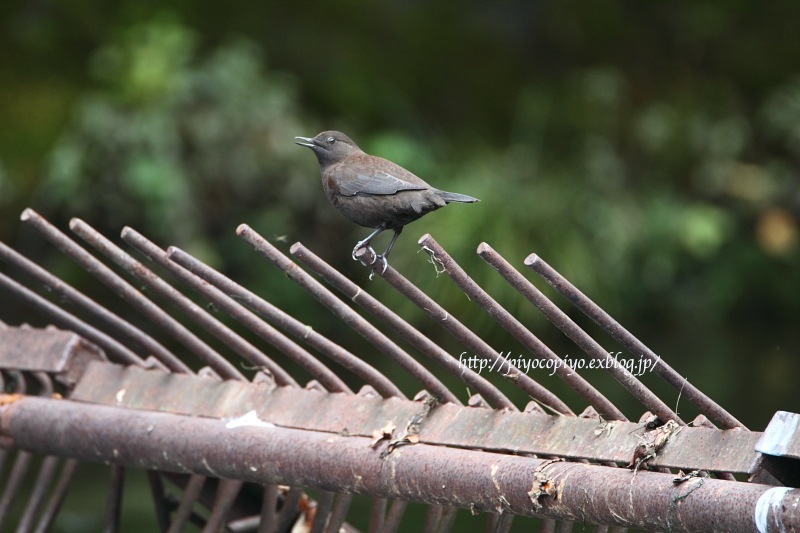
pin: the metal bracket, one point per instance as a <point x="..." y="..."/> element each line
<point x="780" y="446"/>
<point x="63" y="354"/>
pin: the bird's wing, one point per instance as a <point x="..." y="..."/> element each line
<point x="378" y="183"/>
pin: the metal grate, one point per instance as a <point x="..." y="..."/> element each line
<point x="224" y="449"/>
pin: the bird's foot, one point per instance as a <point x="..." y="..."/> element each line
<point x="375" y="257"/>
<point x="385" y="263"/>
<point x="383" y="270"/>
<point x="371" y="250"/>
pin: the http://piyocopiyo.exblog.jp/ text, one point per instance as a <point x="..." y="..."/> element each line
<point x="509" y="363"/>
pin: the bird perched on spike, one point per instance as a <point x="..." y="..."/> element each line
<point x="372" y="191"/>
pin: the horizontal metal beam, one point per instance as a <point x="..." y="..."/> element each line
<point x="63" y="354"/>
<point x="253" y="450"/>
<point x="449" y="425"/>
<point x="782" y="436"/>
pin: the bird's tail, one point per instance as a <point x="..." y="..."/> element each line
<point x="456" y="197"/>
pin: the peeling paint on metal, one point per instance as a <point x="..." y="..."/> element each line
<point x="771" y="500"/>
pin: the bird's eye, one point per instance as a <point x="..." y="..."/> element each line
<point x="330" y="140"/>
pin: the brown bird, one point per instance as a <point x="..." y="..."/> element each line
<point x="372" y="191"/>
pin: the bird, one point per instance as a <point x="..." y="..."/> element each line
<point x="371" y="191"/>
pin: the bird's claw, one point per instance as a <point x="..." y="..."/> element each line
<point x="385" y="263"/>
<point x="375" y="255"/>
<point x="383" y="270"/>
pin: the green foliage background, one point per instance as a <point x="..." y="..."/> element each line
<point x="648" y="151"/>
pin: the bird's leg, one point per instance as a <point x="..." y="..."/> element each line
<point x="365" y="242"/>
<point x="385" y="255"/>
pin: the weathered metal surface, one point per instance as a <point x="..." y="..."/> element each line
<point x="343" y="444"/>
<point x="782" y="436"/>
<point x="62" y="353"/>
<point x="688" y="391"/>
<point x="472" y="379"/>
<point x="563" y="322"/>
<point x="507" y="321"/>
<point x="224" y="368"/>
<point x="780" y="446"/>
<point x="483" y="482"/>
<point x="115" y="349"/>
<point x="75" y="299"/>
<point x="349" y="317"/>
<point x="119" y="286"/>
<point x="477" y="346"/>
<point x="448" y="424"/>
<point x="265" y="331"/>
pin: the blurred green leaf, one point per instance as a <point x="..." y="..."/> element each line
<point x="704" y="229"/>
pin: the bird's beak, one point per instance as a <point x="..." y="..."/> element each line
<point x="306" y="141"/>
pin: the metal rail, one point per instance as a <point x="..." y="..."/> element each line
<point x="234" y="446"/>
<point x="483" y="482"/>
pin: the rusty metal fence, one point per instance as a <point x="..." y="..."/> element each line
<point x="241" y="445"/>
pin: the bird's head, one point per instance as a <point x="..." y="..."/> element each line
<point x="330" y="146"/>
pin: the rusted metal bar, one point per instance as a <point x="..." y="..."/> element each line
<point x="489" y="392"/>
<point x="782" y="436"/>
<point x="440" y="519"/>
<point x="503" y="523"/>
<point x="47" y="470"/>
<point x="123" y="289"/>
<point x="481" y="481"/>
<point x="339" y="512"/>
<point x="12" y="485"/>
<point x="780" y="446"/>
<point x="246" y="432"/>
<point x="62" y="353"/>
<point x="45" y="384"/>
<point x="227" y="491"/>
<point x="377" y="514"/>
<point x="306" y="360"/>
<point x="478" y="346"/>
<point x="114" y="349"/>
<point x="160" y="504"/>
<point x="116" y="485"/>
<point x="22" y="460"/>
<point x="432" y="518"/>
<point x="288" y="509"/>
<point x="574" y="332"/>
<point x="445" y="425"/>
<point x="67" y="293"/>
<point x="227" y="291"/>
<point x="394" y="515"/>
<point x="448" y="517"/>
<point x="322" y="512"/>
<point x="507" y="321"/>
<point x="191" y="493"/>
<point x="346" y="314"/>
<point x="251" y="353"/>
<point x="688" y="391"/>
<point x="219" y="364"/>
<point x="269" y="510"/>
<point x="47" y="517"/>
